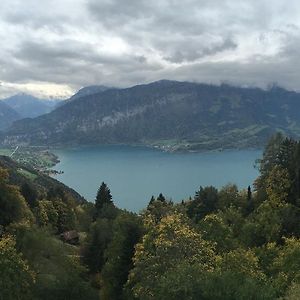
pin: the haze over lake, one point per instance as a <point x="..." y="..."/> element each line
<point x="134" y="174"/>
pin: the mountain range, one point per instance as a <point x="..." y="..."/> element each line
<point x="28" y="106"/>
<point x="7" y="115"/>
<point x="168" y="114"/>
<point x="22" y="106"/>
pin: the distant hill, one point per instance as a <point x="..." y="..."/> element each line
<point x="28" y="106"/>
<point x="167" y="114"/>
<point x="7" y="116"/>
<point x="20" y="174"/>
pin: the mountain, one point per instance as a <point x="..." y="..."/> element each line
<point x="167" y="114"/>
<point x="90" y="90"/>
<point x="7" y="116"/>
<point x="85" y="91"/>
<point x="28" y="106"/>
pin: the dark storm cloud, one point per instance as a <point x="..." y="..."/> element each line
<point x="180" y="53"/>
<point x="78" y="61"/>
<point x="122" y="43"/>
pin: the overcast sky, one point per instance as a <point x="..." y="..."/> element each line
<point x="54" y="47"/>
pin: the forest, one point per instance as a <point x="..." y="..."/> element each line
<point x="221" y="244"/>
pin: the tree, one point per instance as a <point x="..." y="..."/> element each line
<point x="151" y="201"/>
<point x="164" y="250"/>
<point x="16" y="278"/>
<point x="66" y="218"/>
<point x="215" y="229"/>
<point x="205" y="202"/>
<point x="286" y="266"/>
<point x="59" y="274"/>
<point x="278" y="184"/>
<point x="30" y="194"/>
<point x="229" y="196"/>
<point x="238" y="276"/>
<point x="293" y="292"/>
<point x="269" y="217"/>
<point x="98" y="238"/>
<point x="13" y="207"/>
<point x="103" y="199"/>
<point x="46" y="214"/>
<point x="156" y="210"/>
<point x="271" y="155"/>
<point x="284" y="153"/>
<point x="250" y="202"/>
<point x="161" y="198"/>
<point x="127" y="231"/>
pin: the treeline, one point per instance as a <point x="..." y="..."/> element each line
<point x="220" y="244"/>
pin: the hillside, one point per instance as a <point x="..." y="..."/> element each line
<point x="168" y="114"/>
<point x="7" y="116"/>
<point x="20" y="174"/>
<point x="221" y="244"/>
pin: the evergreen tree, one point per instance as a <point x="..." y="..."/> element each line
<point x="205" y="202"/>
<point x="151" y="202"/>
<point x="103" y="199"/>
<point x="127" y="231"/>
<point x="98" y="238"/>
<point x="161" y="198"/>
<point x="30" y="194"/>
<point x="250" y="204"/>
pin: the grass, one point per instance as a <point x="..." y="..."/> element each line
<point x="5" y="151"/>
<point x="39" y="159"/>
<point x="27" y="174"/>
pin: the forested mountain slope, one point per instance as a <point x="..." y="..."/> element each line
<point x="170" y="114"/>
<point x="20" y="175"/>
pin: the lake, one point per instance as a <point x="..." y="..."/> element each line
<point x="134" y="174"/>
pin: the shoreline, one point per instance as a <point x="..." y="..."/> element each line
<point x="163" y="148"/>
<point x="45" y="158"/>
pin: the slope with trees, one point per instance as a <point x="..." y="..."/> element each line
<point x="221" y="244"/>
<point x="167" y="114"/>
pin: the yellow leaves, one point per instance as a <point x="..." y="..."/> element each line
<point x="286" y="265"/>
<point x="170" y="243"/>
<point x="16" y="278"/>
<point x="46" y="213"/>
<point x="14" y="208"/>
<point x="3" y="175"/>
<point x="244" y="262"/>
<point x="278" y="184"/>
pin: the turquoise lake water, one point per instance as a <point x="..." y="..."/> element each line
<point x="134" y="174"/>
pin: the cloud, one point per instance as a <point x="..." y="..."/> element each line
<point x="65" y="45"/>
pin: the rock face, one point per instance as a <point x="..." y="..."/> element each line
<point x="168" y="114"/>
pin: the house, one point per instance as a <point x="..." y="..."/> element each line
<point x="70" y="237"/>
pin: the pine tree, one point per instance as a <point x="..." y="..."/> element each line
<point x="30" y="194"/>
<point x="161" y="198"/>
<point x="151" y="201"/>
<point x="250" y="204"/>
<point x="103" y="198"/>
